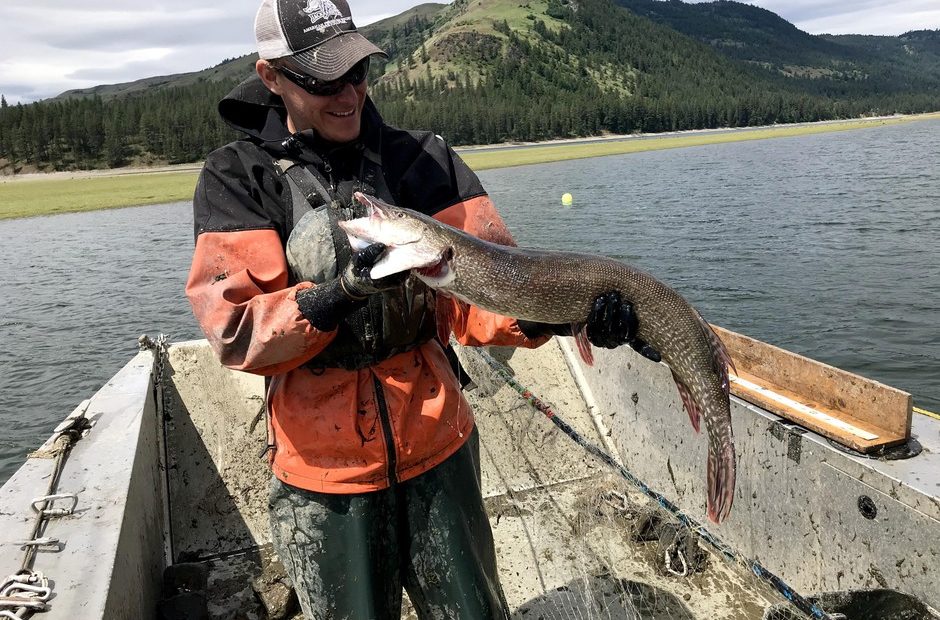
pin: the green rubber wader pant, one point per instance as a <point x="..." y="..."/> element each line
<point x="350" y="555"/>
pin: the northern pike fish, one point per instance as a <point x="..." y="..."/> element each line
<point x="560" y="288"/>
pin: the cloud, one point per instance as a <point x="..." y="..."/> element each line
<point x="127" y="72"/>
<point x="872" y="18"/>
<point x="40" y="58"/>
<point x="156" y="31"/>
<point x="16" y="92"/>
<point x="49" y="46"/>
<point x="856" y="17"/>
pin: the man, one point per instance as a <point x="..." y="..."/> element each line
<point x="372" y="445"/>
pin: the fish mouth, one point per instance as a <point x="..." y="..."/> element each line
<point x="374" y="208"/>
<point x="435" y="270"/>
<point x="374" y="225"/>
<point x="404" y="240"/>
<point x="377" y="212"/>
<point x="439" y="269"/>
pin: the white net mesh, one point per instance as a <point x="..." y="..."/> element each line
<point x="268" y="33"/>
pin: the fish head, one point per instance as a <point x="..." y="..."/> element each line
<point x="413" y="240"/>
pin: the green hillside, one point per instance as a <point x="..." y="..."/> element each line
<point x="226" y="71"/>
<point x="913" y="57"/>
<point x="872" y="64"/>
<point x="486" y="71"/>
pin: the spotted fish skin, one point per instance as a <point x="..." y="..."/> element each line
<point x="559" y="288"/>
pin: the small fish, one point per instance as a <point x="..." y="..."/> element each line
<point x="560" y="288"/>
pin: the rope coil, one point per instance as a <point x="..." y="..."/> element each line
<point x="25" y="592"/>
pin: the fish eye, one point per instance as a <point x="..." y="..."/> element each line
<point x="399" y="215"/>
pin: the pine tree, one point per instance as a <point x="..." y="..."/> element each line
<point x="604" y="70"/>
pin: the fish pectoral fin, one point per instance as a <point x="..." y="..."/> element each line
<point x="695" y="415"/>
<point x="444" y="317"/>
<point x="579" y="330"/>
<point x="451" y="316"/>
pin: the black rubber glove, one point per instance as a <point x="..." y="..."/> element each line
<point x="611" y="323"/>
<point x="325" y="305"/>
<point x="356" y="280"/>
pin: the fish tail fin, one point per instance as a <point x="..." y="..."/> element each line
<point x="721" y="479"/>
<point x="689" y="404"/>
<point x="579" y="331"/>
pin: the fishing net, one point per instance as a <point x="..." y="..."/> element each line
<point x="575" y="538"/>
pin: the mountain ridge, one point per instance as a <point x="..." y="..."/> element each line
<point x="721" y="24"/>
<point x="489" y="71"/>
<point x="234" y="68"/>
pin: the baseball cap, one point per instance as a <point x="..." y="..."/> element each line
<point x="318" y="35"/>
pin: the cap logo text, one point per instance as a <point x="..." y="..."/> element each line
<point x="323" y="11"/>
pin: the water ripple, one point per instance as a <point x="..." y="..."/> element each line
<point x="822" y="244"/>
<point x="80" y="289"/>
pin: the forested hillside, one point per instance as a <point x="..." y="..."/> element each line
<point x="168" y="125"/>
<point x="495" y="70"/>
<point x="861" y="65"/>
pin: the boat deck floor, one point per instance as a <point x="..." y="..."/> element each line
<point x="573" y="539"/>
<point x="566" y="551"/>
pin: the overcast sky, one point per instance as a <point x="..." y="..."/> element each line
<point x="47" y="47"/>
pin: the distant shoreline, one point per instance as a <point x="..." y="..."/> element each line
<point x="506" y="155"/>
<point x="50" y="193"/>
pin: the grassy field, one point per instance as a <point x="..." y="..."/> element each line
<point x="38" y="196"/>
<point x="68" y="193"/>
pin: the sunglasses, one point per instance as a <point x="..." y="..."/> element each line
<point x="312" y="85"/>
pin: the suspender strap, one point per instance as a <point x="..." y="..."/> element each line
<point x="312" y="186"/>
<point x="379" y="329"/>
<point x="310" y="183"/>
<point x="340" y="240"/>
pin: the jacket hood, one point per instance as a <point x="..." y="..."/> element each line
<point x="252" y="109"/>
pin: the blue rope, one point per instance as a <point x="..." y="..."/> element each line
<point x="800" y="602"/>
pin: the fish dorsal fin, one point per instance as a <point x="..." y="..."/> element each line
<point x="584" y="345"/>
<point x="695" y="415"/>
<point x="451" y="316"/>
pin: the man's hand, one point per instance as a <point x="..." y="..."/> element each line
<point x="326" y="305"/>
<point x="357" y="283"/>
<point x="613" y="322"/>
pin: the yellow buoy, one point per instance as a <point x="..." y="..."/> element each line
<point x="567" y="199"/>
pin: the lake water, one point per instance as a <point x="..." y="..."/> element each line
<point x="826" y="245"/>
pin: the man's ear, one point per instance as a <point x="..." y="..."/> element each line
<point x="268" y="75"/>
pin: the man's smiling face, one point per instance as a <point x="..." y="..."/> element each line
<point x="336" y="118"/>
